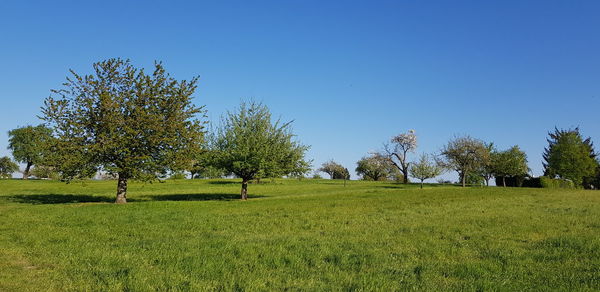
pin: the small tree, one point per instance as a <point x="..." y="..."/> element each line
<point x="123" y="121"/>
<point x="425" y="168"/>
<point x="374" y="167"/>
<point x="251" y="146"/>
<point x="28" y="144"/>
<point x="397" y="153"/>
<point x="509" y="163"/>
<point x="465" y="155"/>
<point x="333" y="169"/>
<point x="7" y="167"/>
<point x="569" y="156"/>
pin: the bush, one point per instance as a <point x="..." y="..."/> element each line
<point x="553" y="183"/>
<point x="512" y="181"/>
<point x="532" y="182"/>
<point x="178" y="175"/>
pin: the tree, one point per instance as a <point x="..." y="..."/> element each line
<point x="509" y="163"/>
<point x="7" y="167"/>
<point x="123" y="121"/>
<point x="375" y="167"/>
<point x="569" y="156"/>
<point x="401" y="145"/>
<point x="251" y="146"/>
<point x="486" y="170"/>
<point x="333" y="169"/>
<point x="425" y="168"/>
<point x="465" y="155"/>
<point x="42" y="171"/>
<point x="27" y="145"/>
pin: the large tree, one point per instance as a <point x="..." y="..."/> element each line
<point x="7" y="167"/>
<point x="252" y="146"/>
<point x="569" y="156"/>
<point x="27" y="145"/>
<point x="123" y="121"/>
<point x="465" y="155"/>
<point x="425" y="168"/>
<point x="375" y="167"/>
<point x="509" y="163"/>
<point x="397" y="152"/>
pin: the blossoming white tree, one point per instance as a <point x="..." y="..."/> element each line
<point x="397" y="152"/>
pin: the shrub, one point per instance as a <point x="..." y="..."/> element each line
<point x="178" y="175"/>
<point x="532" y="182"/>
<point x="553" y="183"/>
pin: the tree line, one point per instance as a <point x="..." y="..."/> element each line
<point x="128" y="124"/>
<point x="569" y="158"/>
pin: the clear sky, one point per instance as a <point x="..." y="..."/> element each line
<point x="350" y="73"/>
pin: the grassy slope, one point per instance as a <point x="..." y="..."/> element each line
<point x="310" y="235"/>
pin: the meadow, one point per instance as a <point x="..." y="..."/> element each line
<point x="309" y="235"/>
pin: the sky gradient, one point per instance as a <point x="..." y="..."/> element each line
<point x="351" y="74"/>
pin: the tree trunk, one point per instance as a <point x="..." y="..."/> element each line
<point x="504" y="181"/>
<point x="405" y="175"/>
<point x="421" y="183"/>
<point x="26" y="172"/>
<point x="244" y="192"/>
<point x="464" y="179"/>
<point x="121" y="190"/>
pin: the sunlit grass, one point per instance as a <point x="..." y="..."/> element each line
<point x="296" y="235"/>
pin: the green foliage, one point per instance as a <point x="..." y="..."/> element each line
<point x="425" y="168"/>
<point x="251" y="146"/>
<point x="376" y="167"/>
<point x="178" y="175"/>
<point x="28" y="145"/>
<point x="467" y="156"/>
<point x="123" y="121"/>
<point x="310" y="235"/>
<point x="553" y="183"/>
<point x="45" y="172"/>
<point x="205" y="164"/>
<point x="7" y="167"/>
<point x="569" y="156"/>
<point x="509" y="163"/>
<point x="334" y="170"/>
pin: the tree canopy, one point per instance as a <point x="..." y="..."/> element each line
<point x="509" y="163"/>
<point x="425" y="168"/>
<point x="334" y="170"/>
<point x="28" y="145"/>
<point x="375" y="167"/>
<point x="7" y="167"/>
<point x="401" y="145"/>
<point x="251" y="146"/>
<point x="569" y="156"/>
<point x="465" y="155"/>
<point x="123" y="121"/>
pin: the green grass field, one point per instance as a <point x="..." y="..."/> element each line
<point x="296" y="235"/>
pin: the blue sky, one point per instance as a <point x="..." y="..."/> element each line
<point x="350" y="73"/>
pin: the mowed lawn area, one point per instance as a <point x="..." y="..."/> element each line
<point x="192" y="235"/>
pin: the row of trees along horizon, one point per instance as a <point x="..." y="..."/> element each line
<point x="123" y="123"/>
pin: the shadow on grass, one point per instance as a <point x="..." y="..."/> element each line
<point x="416" y="186"/>
<point x="224" y="182"/>
<point x="200" y="197"/>
<point x="60" y="199"/>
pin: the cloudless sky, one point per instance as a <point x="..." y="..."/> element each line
<point x="350" y="73"/>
